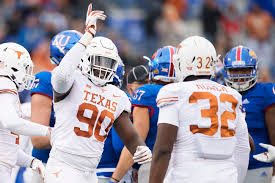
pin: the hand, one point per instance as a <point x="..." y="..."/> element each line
<point x="38" y="166"/>
<point x="91" y="19"/>
<point x="266" y="157"/>
<point x="142" y="155"/>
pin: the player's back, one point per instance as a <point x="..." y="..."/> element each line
<point x="8" y="140"/>
<point x="83" y="120"/>
<point x="207" y="119"/>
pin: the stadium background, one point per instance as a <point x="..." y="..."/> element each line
<point x="140" y="27"/>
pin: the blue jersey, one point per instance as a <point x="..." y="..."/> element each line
<point x="255" y="102"/>
<point x="43" y="86"/>
<point x="145" y="96"/>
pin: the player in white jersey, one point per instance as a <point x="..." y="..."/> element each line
<point x="86" y="107"/>
<point x="15" y="76"/>
<point x="201" y="125"/>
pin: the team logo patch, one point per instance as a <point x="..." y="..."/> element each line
<point x="163" y="69"/>
<point x="246" y="101"/>
<point x="273" y="89"/>
<point x="156" y="71"/>
<point x="252" y="53"/>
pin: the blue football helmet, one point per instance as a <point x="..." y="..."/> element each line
<point x="241" y="58"/>
<point x="62" y="43"/>
<point x="118" y="77"/>
<point x="161" y="66"/>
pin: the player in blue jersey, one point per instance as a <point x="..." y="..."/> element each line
<point x="241" y="73"/>
<point x="42" y="94"/>
<point x="145" y="110"/>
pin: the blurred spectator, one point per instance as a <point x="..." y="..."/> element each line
<point x="231" y="22"/>
<point x="13" y="24"/>
<point x="41" y="57"/>
<point x="258" y="24"/>
<point x="53" y="20"/>
<point x="210" y="19"/>
<point x="180" y="5"/>
<point x="169" y="26"/>
<point x="31" y="33"/>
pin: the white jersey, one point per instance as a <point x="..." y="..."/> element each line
<point x="84" y="118"/>
<point x="207" y="115"/>
<point x="8" y="140"/>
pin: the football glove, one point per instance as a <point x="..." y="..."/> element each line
<point x="142" y="155"/>
<point x="91" y="19"/>
<point x="266" y="157"/>
<point x="273" y="179"/>
<point x="90" y="30"/>
<point x="38" y="166"/>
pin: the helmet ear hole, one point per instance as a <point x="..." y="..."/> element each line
<point x="14" y="69"/>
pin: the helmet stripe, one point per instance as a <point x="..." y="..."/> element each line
<point x="238" y="55"/>
<point x="171" y="67"/>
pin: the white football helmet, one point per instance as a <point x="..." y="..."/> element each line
<point x="195" y="56"/>
<point x="100" y="61"/>
<point x="16" y="63"/>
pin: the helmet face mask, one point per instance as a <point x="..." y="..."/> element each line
<point x="195" y="57"/>
<point x="240" y="71"/>
<point x="100" y="61"/>
<point x="18" y="65"/>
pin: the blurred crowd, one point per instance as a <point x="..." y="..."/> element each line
<point x="140" y="27"/>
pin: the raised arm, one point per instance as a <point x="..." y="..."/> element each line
<point x="62" y="78"/>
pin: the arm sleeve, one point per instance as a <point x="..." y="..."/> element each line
<point x="11" y="121"/>
<point x="23" y="159"/>
<point x="62" y="75"/>
<point x="241" y="153"/>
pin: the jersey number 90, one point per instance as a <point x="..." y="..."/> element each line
<point x="93" y="121"/>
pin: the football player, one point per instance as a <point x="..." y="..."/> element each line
<point x="16" y="75"/>
<point x="42" y="94"/>
<point x="241" y="73"/>
<point x="145" y="110"/>
<point x="86" y="107"/>
<point x="201" y="126"/>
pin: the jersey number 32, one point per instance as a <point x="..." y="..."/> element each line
<point x="212" y="114"/>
